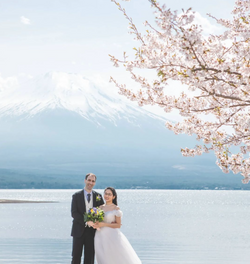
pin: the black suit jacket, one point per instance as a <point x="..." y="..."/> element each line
<point x="78" y="208"/>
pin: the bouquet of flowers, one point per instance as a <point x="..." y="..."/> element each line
<point x="93" y="215"/>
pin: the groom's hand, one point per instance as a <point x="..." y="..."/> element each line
<point x="90" y="223"/>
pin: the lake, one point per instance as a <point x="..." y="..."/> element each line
<point x="163" y="226"/>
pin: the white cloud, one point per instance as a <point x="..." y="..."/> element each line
<point x="25" y="20"/>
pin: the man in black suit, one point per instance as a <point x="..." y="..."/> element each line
<point x="83" y="235"/>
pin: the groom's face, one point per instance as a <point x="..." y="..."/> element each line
<point x="90" y="182"/>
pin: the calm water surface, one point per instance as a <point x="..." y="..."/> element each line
<point x="164" y="226"/>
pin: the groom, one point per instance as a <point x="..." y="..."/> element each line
<point x="83" y="235"/>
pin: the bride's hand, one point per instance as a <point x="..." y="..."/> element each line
<point x="97" y="225"/>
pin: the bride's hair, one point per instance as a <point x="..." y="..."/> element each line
<point x="114" y="194"/>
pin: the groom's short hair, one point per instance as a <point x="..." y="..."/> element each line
<point x="89" y="174"/>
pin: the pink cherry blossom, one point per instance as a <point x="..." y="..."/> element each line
<point x="216" y="68"/>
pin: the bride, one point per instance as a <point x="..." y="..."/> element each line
<point x="111" y="246"/>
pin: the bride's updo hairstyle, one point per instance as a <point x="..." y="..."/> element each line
<point x="114" y="194"/>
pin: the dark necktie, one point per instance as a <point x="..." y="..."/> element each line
<point x="88" y="197"/>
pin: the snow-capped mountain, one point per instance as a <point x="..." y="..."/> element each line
<point x="65" y="124"/>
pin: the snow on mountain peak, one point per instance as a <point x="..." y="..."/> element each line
<point x="73" y="92"/>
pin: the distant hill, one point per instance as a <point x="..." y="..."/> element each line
<point x="24" y="180"/>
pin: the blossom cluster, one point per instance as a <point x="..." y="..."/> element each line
<point x="216" y="67"/>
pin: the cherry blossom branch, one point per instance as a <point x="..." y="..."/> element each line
<point x="220" y="75"/>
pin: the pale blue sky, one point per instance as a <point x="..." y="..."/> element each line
<point x="38" y="36"/>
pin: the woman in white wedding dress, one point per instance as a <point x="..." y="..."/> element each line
<point x="111" y="246"/>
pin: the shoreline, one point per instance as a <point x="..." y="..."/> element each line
<point x="23" y="201"/>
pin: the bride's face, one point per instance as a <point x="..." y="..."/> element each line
<point x="108" y="196"/>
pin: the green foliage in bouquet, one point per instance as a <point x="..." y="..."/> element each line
<point x="94" y="214"/>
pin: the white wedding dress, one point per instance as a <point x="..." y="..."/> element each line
<point x="111" y="246"/>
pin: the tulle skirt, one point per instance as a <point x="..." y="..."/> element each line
<point x="112" y="247"/>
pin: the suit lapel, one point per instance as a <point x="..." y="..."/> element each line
<point x="94" y="198"/>
<point x="83" y="201"/>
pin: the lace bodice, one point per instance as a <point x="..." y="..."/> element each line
<point x="110" y="215"/>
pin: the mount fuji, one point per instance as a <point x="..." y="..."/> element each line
<point x="59" y="126"/>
